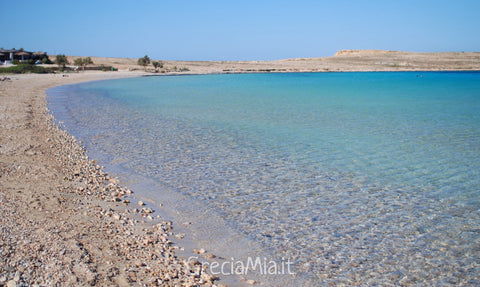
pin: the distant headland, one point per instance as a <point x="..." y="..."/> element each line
<point x="342" y="61"/>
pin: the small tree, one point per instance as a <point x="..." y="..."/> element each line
<point x="46" y="60"/>
<point x="78" y="62"/>
<point x="157" y="64"/>
<point x="87" y="61"/>
<point x="61" y="60"/>
<point x="145" y="61"/>
<point x="83" y="62"/>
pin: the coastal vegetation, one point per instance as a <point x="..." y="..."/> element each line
<point x="157" y="65"/>
<point x="61" y="60"/>
<point x="83" y="62"/>
<point x="39" y="63"/>
<point x="24" y="68"/>
<point x="144" y="61"/>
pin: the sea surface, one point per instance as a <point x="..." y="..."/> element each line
<point x="357" y="178"/>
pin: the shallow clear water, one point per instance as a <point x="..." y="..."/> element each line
<point x="360" y="178"/>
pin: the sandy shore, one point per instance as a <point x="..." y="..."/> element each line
<point x="63" y="220"/>
<point x="345" y="60"/>
<point x="66" y="222"/>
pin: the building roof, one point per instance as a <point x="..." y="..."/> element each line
<point x="24" y="53"/>
<point x="19" y="52"/>
<point x="8" y="50"/>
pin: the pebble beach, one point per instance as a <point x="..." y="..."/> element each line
<point x="64" y="221"/>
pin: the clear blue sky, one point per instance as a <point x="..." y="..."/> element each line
<point x="237" y="29"/>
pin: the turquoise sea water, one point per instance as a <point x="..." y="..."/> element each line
<point x="359" y="178"/>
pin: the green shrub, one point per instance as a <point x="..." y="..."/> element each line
<point x="61" y="61"/>
<point x="25" y="68"/>
<point x="145" y="61"/>
<point x="46" y="60"/>
<point x="83" y="61"/>
<point x="157" y="64"/>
